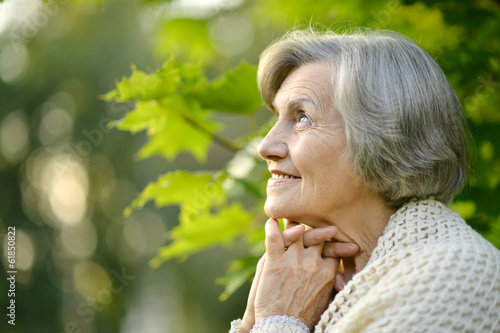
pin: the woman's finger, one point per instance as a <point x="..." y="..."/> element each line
<point x="319" y="235"/>
<point x="249" y="316"/>
<point x="260" y="266"/>
<point x="289" y="224"/>
<point x="274" y="241"/>
<point x="315" y="250"/>
<point x="296" y="247"/>
<point x="256" y="279"/>
<point x="292" y="234"/>
<point x="339" y="282"/>
<point x="339" y="250"/>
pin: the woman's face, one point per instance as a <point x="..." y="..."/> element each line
<point x="312" y="177"/>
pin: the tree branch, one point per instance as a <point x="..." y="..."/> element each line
<point x="214" y="136"/>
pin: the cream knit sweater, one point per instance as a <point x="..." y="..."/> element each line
<point x="430" y="272"/>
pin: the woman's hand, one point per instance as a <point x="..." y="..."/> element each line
<point x="296" y="281"/>
<point x="331" y="249"/>
<point x="293" y="231"/>
<point x="290" y="235"/>
<point x="249" y="316"/>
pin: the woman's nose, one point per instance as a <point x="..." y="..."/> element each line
<point x="273" y="146"/>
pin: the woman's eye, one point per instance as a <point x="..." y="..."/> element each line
<point x="303" y="119"/>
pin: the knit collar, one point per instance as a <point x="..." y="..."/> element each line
<point x="414" y="224"/>
<point x="409" y="224"/>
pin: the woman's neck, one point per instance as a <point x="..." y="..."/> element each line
<point x="362" y="224"/>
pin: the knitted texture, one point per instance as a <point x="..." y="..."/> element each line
<point x="235" y="326"/>
<point x="276" y="324"/>
<point x="430" y="272"/>
<point x="291" y="324"/>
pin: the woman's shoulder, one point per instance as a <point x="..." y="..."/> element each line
<point x="427" y="225"/>
<point x="428" y="237"/>
<point x="428" y="288"/>
<point x="431" y="268"/>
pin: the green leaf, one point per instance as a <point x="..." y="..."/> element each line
<point x="240" y="271"/>
<point x="196" y="191"/>
<point x="175" y="104"/>
<point x="146" y="115"/>
<point x="111" y="95"/>
<point x="143" y="86"/>
<point x="236" y="91"/>
<point x="199" y="232"/>
<point x="192" y="75"/>
<point x="177" y="135"/>
<point x="169" y="124"/>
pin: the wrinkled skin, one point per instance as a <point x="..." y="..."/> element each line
<point x="298" y="240"/>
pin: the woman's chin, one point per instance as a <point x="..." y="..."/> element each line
<point x="293" y="212"/>
<point x="271" y="210"/>
<point x="277" y="211"/>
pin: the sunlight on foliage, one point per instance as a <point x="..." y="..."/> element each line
<point x="199" y="190"/>
<point x="203" y="230"/>
<point x="236" y="91"/>
<point x="143" y="86"/>
<point x="176" y="106"/>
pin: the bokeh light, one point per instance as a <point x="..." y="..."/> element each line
<point x="18" y="17"/>
<point x="14" y="137"/>
<point x="55" y="187"/>
<point x="90" y="278"/>
<point x="144" y="232"/>
<point x="231" y="34"/>
<point x="14" y="62"/>
<point x="244" y="161"/>
<point x="67" y="192"/>
<point x="56" y="125"/>
<point x="116" y="196"/>
<point x="79" y="240"/>
<point x="25" y="251"/>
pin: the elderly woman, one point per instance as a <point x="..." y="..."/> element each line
<point x="367" y="150"/>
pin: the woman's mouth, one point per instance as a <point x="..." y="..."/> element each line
<point x="280" y="179"/>
<point x="281" y="176"/>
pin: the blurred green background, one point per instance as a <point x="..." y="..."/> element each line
<point x="66" y="177"/>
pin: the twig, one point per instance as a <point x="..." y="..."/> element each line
<point x="217" y="138"/>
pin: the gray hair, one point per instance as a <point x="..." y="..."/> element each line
<point x="404" y="124"/>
